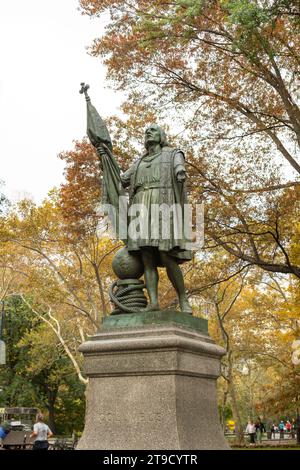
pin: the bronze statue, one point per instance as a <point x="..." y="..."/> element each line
<point x="157" y="180"/>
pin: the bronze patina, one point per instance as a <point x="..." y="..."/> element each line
<point x="156" y="180"/>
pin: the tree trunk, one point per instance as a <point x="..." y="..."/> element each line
<point x="52" y="424"/>
<point x="235" y="411"/>
<point x="223" y="420"/>
<point x="52" y="394"/>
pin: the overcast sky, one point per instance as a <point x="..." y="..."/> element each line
<point x="43" y="60"/>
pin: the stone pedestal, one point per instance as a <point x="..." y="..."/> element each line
<point x="152" y="384"/>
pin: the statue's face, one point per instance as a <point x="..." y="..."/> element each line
<point x="152" y="135"/>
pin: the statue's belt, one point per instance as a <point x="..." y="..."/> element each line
<point x="144" y="187"/>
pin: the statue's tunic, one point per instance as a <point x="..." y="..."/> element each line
<point x="153" y="188"/>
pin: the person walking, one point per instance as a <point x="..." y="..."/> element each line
<point x="250" y="429"/>
<point x="281" y="429"/>
<point x="288" y="427"/>
<point x="273" y="431"/>
<point x="259" y="428"/>
<point x="41" y="432"/>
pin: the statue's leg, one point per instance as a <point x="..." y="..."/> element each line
<point x="151" y="278"/>
<point x="175" y="275"/>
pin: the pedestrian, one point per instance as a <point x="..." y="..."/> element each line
<point x="281" y="429"/>
<point x="4" y="430"/>
<point x="250" y="429"/>
<point x="260" y="428"/>
<point x="273" y="431"/>
<point x="2" y="436"/>
<point x="41" y="432"/>
<point x="288" y="426"/>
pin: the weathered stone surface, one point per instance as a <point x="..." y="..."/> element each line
<point x="152" y="387"/>
<point x="155" y="318"/>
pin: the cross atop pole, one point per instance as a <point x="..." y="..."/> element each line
<point x="84" y="89"/>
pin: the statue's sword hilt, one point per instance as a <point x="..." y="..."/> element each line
<point x="84" y="89"/>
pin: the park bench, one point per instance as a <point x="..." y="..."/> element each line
<point x="18" y="440"/>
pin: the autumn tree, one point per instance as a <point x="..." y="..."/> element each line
<point x="64" y="280"/>
<point x="254" y="315"/>
<point x="262" y="327"/>
<point x="239" y="59"/>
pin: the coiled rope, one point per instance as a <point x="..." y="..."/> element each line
<point x="128" y="296"/>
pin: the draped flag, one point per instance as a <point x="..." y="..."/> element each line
<point x="112" y="188"/>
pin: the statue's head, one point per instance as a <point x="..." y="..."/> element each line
<point x="154" y="134"/>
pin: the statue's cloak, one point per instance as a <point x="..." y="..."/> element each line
<point x="170" y="191"/>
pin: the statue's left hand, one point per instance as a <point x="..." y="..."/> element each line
<point x="181" y="176"/>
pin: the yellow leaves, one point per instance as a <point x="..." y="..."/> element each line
<point x="295" y="244"/>
<point x="56" y="271"/>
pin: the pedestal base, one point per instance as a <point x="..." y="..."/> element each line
<point x="152" y="387"/>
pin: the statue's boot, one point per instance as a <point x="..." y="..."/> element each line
<point x="185" y="306"/>
<point x="151" y="308"/>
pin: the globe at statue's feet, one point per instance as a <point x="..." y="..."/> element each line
<point x="151" y="308"/>
<point x="185" y="306"/>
